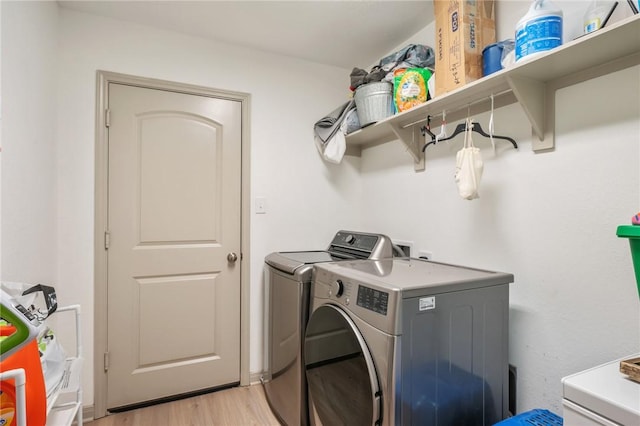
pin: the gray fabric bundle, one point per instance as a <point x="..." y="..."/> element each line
<point x="327" y="126"/>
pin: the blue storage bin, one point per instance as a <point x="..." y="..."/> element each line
<point x="537" y="417"/>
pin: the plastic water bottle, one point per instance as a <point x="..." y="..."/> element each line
<point x="539" y="30"/>
<point x="596" y="14"/>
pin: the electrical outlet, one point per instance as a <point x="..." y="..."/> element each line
<point x="405" y="246"/>
<point x="424" y="254"/>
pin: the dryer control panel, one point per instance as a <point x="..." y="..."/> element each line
<point x="372" y="299"/>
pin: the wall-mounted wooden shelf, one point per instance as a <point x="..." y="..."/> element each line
<point x="531" y="82"/>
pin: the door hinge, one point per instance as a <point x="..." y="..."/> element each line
<point x="107" y="239"/>
<point x="107" y="117"/>
<point x="106" y="362"/>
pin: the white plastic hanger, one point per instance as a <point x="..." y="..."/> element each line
<point x="491" y="129"/>
<point x="443" y="127"/>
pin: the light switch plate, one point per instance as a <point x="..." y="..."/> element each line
<point x="261" y="205"/>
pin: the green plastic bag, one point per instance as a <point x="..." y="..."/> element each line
<point x="410" y="87"/>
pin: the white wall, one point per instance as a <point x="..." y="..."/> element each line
<point x="49" y="71"/>
<point x="548" y="218"/>
<point x="29" y="49"/>
<point x="0" y="140"/>
<point x="306" y="199"/>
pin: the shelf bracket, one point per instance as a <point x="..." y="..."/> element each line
<point x="412" y="138"/>
<point x="538" y="102"/>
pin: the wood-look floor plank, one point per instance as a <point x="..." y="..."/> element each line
<point x="239" y="406"/>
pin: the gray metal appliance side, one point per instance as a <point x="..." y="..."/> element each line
<point x="454" y="350"/>
<point x="286" y="315"/>
<point x="285" y="264"/>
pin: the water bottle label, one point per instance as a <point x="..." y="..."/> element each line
<point x="538" y="35"/>
<point x="592" y="25"/>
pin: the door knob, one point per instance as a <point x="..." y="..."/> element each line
<point x="232" y="257"/>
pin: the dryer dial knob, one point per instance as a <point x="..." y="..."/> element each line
<point x="339" y="288"/>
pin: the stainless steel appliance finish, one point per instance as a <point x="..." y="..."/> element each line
<point x="287" y="282"/>
<point x="407" y="342"/>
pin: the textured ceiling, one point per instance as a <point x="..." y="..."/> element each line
<point x="346" y="34"/>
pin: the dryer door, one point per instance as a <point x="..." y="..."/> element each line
<point x="342" y="381"/>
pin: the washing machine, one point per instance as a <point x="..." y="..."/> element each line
<point x="287" y="283"/>
<point x="407" y="341"/>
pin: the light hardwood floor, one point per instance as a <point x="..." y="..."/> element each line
<point x="240" y="406"/>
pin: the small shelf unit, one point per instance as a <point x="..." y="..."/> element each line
<point x="65" y="402"/>
<point x="532" y="82"/>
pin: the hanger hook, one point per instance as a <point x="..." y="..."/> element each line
<point x="426" y="129"/>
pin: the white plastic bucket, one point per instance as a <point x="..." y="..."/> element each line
<point x="540" y="30"/>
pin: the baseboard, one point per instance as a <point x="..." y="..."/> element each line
<point x="254" y="378"/>
<point x="87" y="413"/>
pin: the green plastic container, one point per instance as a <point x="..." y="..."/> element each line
<point x="632" y="232"/>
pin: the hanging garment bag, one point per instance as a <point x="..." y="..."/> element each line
<point x="468" y="167"/>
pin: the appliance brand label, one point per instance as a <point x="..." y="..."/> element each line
<point x="427" y="303"/>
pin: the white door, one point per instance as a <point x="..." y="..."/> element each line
<point x="174" y="217"/>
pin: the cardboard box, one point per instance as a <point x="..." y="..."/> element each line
<point x="463" y="29"/>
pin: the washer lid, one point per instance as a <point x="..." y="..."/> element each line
<point x="290" y="261"/>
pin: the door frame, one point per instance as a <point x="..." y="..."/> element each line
<point x="101" y="215"/>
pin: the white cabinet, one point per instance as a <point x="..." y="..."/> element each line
<point x="532" y="83"/>
<point x="601" y="396"/>
<point x="65" y="403"/>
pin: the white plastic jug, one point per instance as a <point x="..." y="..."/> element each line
<point x="539" y="30"/>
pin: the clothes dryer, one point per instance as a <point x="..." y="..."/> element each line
<point x="407" y="342"/>
<point x="287" y="283"/>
